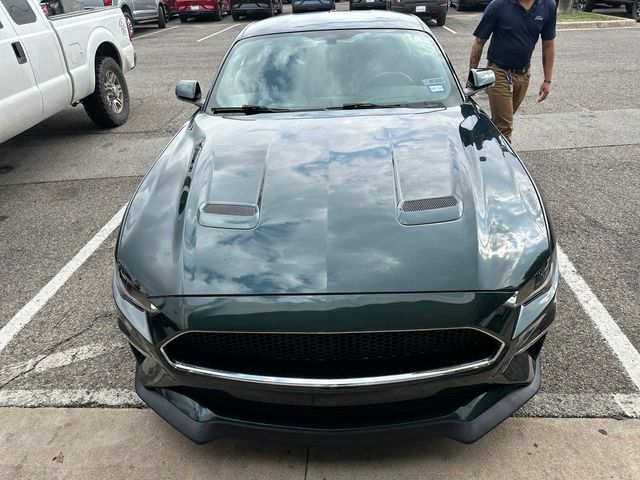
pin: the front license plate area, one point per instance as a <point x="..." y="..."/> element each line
<point x="195" y="7"/>
<point x="421" y="8"/>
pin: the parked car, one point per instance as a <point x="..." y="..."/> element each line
<point x="139" y="12"/>
<point x="48" y="64"/>
<point x="338" y="245"/>
<point x="366" y="4"/>
<point x="424" y="9"/>
<point x="589" y="5"/>
<point x="215" y="9"/>
<point x="462" y="5"/>
<point x="241" y="8"/>
<point x="301" y="6"/>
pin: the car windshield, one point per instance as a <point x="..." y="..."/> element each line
<point x="335" y="69"/>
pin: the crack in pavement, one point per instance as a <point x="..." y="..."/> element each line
<point x="31" y="365"/>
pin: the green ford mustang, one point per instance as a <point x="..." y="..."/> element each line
<point x="339" y="245"/>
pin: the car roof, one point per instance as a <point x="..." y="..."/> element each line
<point x="333" y="20"/>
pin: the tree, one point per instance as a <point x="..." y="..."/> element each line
<point x="565" y="6"/>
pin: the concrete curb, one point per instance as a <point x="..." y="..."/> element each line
<point x="81" y="444"/>
<point x="597" y="24"/>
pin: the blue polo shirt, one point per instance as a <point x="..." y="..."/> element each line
<point x="514" y="31"/>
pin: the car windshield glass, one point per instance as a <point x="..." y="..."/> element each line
<point x="335" y="69"/>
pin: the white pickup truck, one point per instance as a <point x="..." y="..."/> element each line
<point x="47" y="64"/>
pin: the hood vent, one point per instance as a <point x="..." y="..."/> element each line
<point x="428" y="204"/>
<point x="237" y="216"/>
<point x="422" y="211"/>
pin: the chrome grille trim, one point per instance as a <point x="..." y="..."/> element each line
<point x="336" y="382"/>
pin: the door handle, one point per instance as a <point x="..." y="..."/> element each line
<point x="19" y="51"/>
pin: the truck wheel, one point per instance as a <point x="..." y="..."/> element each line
<point x="585" y="5"/>
<point x="183" y="18"/>
<point x="162" y="20"/>
<point x="235" y="16"/>
<point x="108" y="105"/>
<point x="628" y="7"/>
<point x="129" y="21"/>
<point x="440" y="21"/>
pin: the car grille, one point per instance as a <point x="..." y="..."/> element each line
<point x="332" y="355"/>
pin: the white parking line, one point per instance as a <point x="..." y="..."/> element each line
<point x="42" y="363"/>
<point x="58" y="397"/>
<point x="219" y="32"/>
<point x="560" y="405"/>
<point x="156" y="32"/>
<point x="448" y="29"/>
<point x="609" y="329"/>
<point x="26" y="313"/>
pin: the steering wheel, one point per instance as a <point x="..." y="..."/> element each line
<point x="403" y="77"/>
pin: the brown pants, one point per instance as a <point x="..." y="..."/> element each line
<point x="503" y="101"/>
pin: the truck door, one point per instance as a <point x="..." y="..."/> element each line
<point x="21" y="103"/>
<point x="43" y="52"/>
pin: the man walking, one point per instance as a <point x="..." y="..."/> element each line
<point x="514" y="27"/>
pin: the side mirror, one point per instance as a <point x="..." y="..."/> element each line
<point x="189" y="91"/>
<point x="479" y="79"/>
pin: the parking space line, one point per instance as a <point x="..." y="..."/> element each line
<point x="218" y="32"/>
<point x="26" y="313"/>
<point x="42" y="363"/>
<point x="156" y="32"/>
<point x="608" y="328"/>
<point x="449" y="30"/>
<point x="58" y="397"/>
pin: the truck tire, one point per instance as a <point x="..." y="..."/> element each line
<point x="235" y="16"/>
<point x="183" y="18"/>
<point x="585" y="5"/>
<point x="628" y="7"/>
<point x="440" y="21"/>
<point x="108" y="105"/>
<point x="162" y="19"/>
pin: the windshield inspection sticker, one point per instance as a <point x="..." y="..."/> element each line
<point x="436" y="88"/>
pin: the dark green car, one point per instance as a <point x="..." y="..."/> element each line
<point x="338" y="246"/>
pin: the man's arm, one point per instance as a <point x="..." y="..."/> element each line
<point x="548" y="56"/>
<point x="476" y="52"/>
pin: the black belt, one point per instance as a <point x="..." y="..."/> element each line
<point x="517" y="71"/>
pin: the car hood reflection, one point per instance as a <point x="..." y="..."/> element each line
<point x="328" y="186"/>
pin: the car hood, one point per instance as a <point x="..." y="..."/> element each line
<point x="313" y="204"/>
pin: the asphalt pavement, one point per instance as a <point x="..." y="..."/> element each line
<point x="62" y="181"/>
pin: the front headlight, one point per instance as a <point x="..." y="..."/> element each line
<point x="131" y="293"/>
<point x="541" y="282"/>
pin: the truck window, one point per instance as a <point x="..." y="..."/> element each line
<point x="20" y="11"/>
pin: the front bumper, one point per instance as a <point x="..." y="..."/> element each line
<point x="457" y="425"/>
<point x="463" y="406"/>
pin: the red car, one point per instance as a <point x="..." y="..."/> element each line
<point x="202" y="8"/>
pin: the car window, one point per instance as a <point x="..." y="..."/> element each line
<point x="330" y="68"/>
<point x="20" y="11"/>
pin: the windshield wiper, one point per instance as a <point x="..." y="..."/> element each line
<point x="363" y="105"/>
<point x="249" y="109"/>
